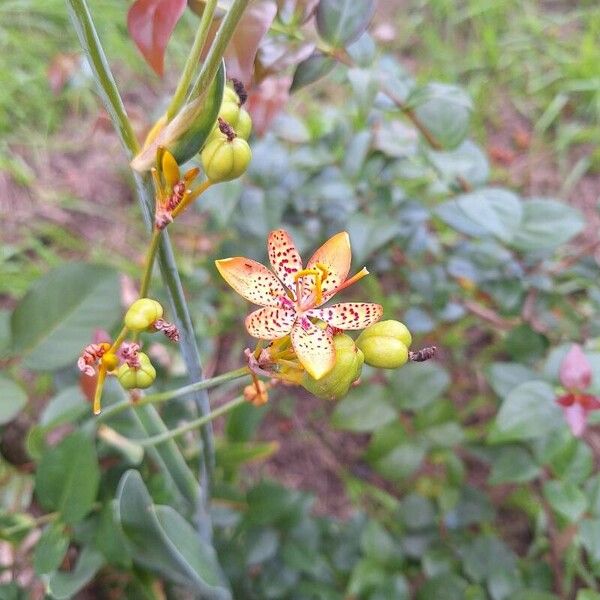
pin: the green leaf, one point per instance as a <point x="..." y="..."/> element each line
<point x="420" y="384"/>
<point x="524" y="344"/>
<point x="379" y="546"/>
<point x="58" y="315"/>
<point x="528" y="412"/>
<point x="363" y="409"/>
<point x="63" y="586"/>
<point x="12" y="399"/>
<point x="589" y="533"/>
<point x="66" y="407"/>
<point x="497" y="210"/>
<point x="311" y="69"/>
<point x="466" y="162"/>
<point x="401" y="462"/>
<point x="485" y="556"/>
<point x="444" y="110"/>
<point x="68" y="476"/>
<point x="50" y="549"/>
<point x="513" y="464"/>
<point x="447" y="586"/>
<point x="163" y="541"/>
<point x="340" y="22"/>
<point x="370" y="234"/>
<point x="587" y="595"/>
<point x="546" y="224"/>
<point x="504" y="377"/>
<point x="566" y="499"/>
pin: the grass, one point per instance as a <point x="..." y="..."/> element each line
<point x="546" y="59"/>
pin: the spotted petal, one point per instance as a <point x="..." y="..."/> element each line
<point x="313" y="347"/>
<point x="270" y="323"/>
<point x="284" y="257"/>
<point x="336" y="255"/>
<point x="349" y="315"/>
<point x="251" y="280"/>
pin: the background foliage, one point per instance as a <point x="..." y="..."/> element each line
<point x="457" y="150"/>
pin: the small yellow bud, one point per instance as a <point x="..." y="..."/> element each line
<point x="170" y="169"/>
<point x="348" y="366"/>
<point x="141" y="378"/>
<point x="225" y="159"/>
<point x="385" y="344"/>
<point x="142" y="313"/>
<point x="110" y="361"/>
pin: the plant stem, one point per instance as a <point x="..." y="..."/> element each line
<point x="119" y="407"/>
<point x="149" y="263"/>
<point x="215" y="54"/>
<point x="191" y="64"/>
<point x="113" y="104"/>
<point x="173" y="433"/>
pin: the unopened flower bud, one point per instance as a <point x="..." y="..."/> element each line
<point x="348" y="365"/>
<point x="137" y="378"/>
<point x="385" y="344"/>
<point x="110" y="360"/>
<point x="170" y="169"/>
<point x="142" y="314"/>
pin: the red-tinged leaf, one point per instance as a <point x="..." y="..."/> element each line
<point x="575" y="369"/>
<point x="266" y="101"/>
<point x="241" y="52"/>
<point x="150" y="24"/>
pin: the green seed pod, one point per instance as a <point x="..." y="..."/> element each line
<point x="348" y="366"/>
<point x="141" y="378"/>
<point x="385" y="344"/>
<point x="142" y="313"/>
<point x="229" y="112"/>
<point x="224" y="159"/>
<point x="243" y="125"/>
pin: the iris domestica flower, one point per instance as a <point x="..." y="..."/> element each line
<point x="292" y="297"/>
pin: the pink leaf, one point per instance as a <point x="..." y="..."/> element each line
<point x="241" y="52"/>
<point x="150" y="24"/>
<point x="575" y="369"/>
<point x="266" y="101"/>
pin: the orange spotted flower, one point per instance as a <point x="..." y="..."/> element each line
<point x="294" y="296"/>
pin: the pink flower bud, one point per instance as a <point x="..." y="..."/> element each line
<point x="575" y="369"/>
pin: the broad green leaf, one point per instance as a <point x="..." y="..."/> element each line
<point x="365" y="576"/>
<point x="546" y="224"/>
<point x="162" y="540"/>
<point x="528" y="412"/>
<point x="587" y="594"/>
<point x="417" y="385"/>
<point x="497" y="210"/>
<point x="487" y="555"/>
<point x="447" y="586"/>
<point x="68" y="476"/>
<point x="50" y="549"/>
<point x="589" y="533"/>
<point x="58" y="315"/>
<point x="340" y="22"/>
<point x="444" y="110"/>
<point x="417" y="512"/>
<point x="63" y="586"/>
<point x="401" y="462"/>
<point x="363" y="409"/>
<point x="369" y="234"/>
<point x="466" y="162"/>
<point x="513" y="464"/>
<point x="505" y="377"/>
<point x="566" y="499"/>
<point x="379" y="546"/>
<point x="66" y="407"/>
<point x="12" y="399"/>
<point x="311" y="69"/>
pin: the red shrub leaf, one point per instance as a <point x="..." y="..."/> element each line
<point x="150" y="24"/>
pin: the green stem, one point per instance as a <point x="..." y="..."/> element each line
<point x="215" y="54"/>
<point x="149" y="264"/>
<point x="191" y="64"/>
<point x="205" y="384"/>
<point x="173" y="433"/>
<point x="113" y="104"/>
